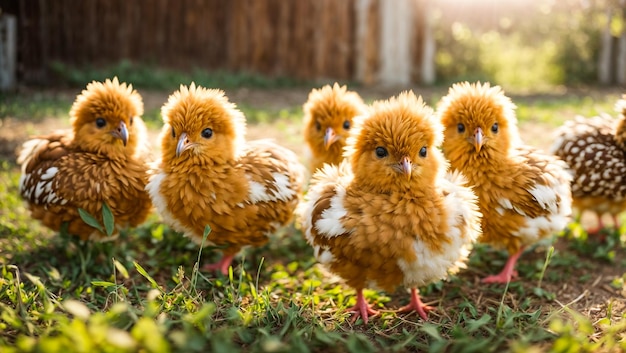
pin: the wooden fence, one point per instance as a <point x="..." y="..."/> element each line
<point x="304" y="38"/>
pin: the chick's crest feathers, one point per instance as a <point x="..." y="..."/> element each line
<point x="399" y="128"/>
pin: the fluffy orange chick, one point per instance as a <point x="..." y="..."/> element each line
<point x="209" y="175"/>
<point x="328" y="115"/>
<point x="391" y="215"/>
<point x="99" y="161"/>
<point x="524" y="194"/>
<point x="595" y="151"/>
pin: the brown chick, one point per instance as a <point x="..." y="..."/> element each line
<point x="210" y="176"/>
<point x="328" y="115"/>
<point x="390" y="215"/>
<point x="98" y="162"/>
<point x="595" y="151"/>
<point x="524" y="194"/>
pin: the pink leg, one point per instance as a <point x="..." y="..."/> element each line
<point x="221" y="265"/>
<point x="508" y="272"/>
<point x="616" y="222"/>
<point x="361" y="308"/>
<point x="597" y="230"/>
<point x="416" y="304"/>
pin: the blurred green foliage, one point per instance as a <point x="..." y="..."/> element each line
<point x="558" y="45"/>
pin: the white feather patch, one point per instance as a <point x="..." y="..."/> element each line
<point x="283" y="192"/>
<point x="463" y="219"/>
<point x="329" y="225"/>
<point x="325" y="256"/>
<point x="260" y="193"/>
<point x="49" y="173"/>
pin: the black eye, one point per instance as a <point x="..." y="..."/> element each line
<point x="423" y="152"/>
<point x="207" y="133"/>
<point x="494" y="127"/>
<point x="100" y="122"/>
<point x="173" y="133"/>
<point x="346" y="125"/>
<point x="381" y="152"/>
<point x="460" y="128"/>
<point x="318" y="126"/>
<point x="131" y="120"/>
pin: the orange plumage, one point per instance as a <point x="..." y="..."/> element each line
<point x="328" y="115"/>
<point x="100" y="161"/>
<point x="210" y="176"/>
<point x="595" y="151"/>
<point x="524" y="194"/>
<point x="390" y="215"/>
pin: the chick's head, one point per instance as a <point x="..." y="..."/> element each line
<point x="201" y="126"/>
<point x="478" y="120"/>
<point x="328" y="117"/>
<point x="103" y="117"/>
<point x="394" y="146"/>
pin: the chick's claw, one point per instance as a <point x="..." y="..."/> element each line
<point x="417" y="305"/>
<point x="361" y="309"/>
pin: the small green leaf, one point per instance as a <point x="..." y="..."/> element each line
<point x="89" y="219"/>
<point x="107" y="218"/>
<point x="143" y="272"/>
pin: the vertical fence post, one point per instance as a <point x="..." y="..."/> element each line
<point x="395" y="41"/>
<point x="8" y="52"/>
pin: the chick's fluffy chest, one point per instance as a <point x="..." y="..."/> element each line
<point x="384" y="230"/>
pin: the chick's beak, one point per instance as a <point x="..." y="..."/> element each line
<point x="405" y="165"/>
<point x="329" y="137"/>
<point x="479" y="139"/>
<point x="121" y="132"/>
<point x="183" y="144"/>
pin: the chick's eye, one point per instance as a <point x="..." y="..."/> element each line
<point x="381" y="152"/>
<point x="460" y="128"/>
<point x="173" y="133"/>
<point x="318" y="126"/>
<point x="100" y="122"/>
<point x="207" y="133"/>
<point x="494" y="127"/>
<point x="423" y="152"/>
<point x="346" y="125"/>
<point x="131" y="120"/>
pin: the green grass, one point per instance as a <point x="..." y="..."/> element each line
<point x="34" y="107"/>
<point x="143" y="292"/>
<point x="147" y="76"/>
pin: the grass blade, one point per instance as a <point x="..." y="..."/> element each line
<point x="143" y="272"/>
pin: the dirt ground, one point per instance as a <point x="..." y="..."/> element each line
<point x="591" y="298"/>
